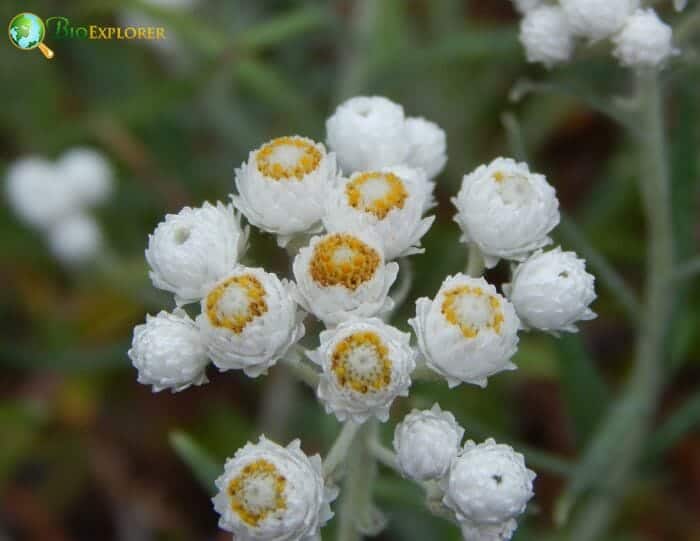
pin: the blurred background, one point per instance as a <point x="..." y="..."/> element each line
<point x="86" y="453"/>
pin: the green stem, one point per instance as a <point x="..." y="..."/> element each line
<point x="475" y="264"/>
<point x="646" y="381"/>
<point x="302" y="370"/>
<point x="339" y="450"/>
<point x="688" y="269"/>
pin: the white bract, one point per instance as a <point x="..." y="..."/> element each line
<point x="389" y="201"/>
<point x="272" y="493"/>
<point x="426" y="442"/>
<point x="366" y="364"/>
<point x="551" y="291"/>
<point x="88" y="173"/>
<point x="190" y="250"/>
<point x="168" y="352"/>
<point x="427" y="146"/>
<point x="506" y="210"/>
<point x="468" y="332"/>
<point x="344" y="275"/>
<point x="75" y="239"/>
<point x="488" y="485"/>
<point x="283" y="186"/>
<point x="367" y="133"/>
<point x="644" y="42"/>
<point x="546" y="35"/>
<point x="249" y="321"/>
<point x="597" y="19"/>
<point x="488" y="532"/>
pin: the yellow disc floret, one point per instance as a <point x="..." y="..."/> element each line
<point x="236" y="302"/>
<point x="471" y="309"/>
<point x="345" y="260"/>
<point x="361" y="362"/>
<point x="257" y="491"/>
<point x="288" y="158"/>
<point x="376" y="193"/>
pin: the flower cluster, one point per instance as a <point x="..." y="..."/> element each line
<point x="549" y="30"/>
<point x="56" y="198"/>
<point x="344" y="216"/>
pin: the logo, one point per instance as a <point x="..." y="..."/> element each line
<point x="27" y="32"/>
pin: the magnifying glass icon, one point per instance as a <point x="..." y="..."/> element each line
<point x="27" y="32"/>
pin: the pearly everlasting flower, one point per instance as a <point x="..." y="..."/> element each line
<point x="551" y="291"/>
<point x="488" y="532"/>
<point x="38" y="194"/>
<point x="75" y="239"/>
<point x="88" y="174"/>
<point x="506" y="210"/>
<point x="366" y="364"/>
<point x="468" y="332"/>
<point x="283" y="185"/>
<point x="427" y="146"/>
<point x="546" y="35"/>
<point x="344" y="275"/>
<point x="168" y="352"/>
<point x="426" y="443"/>
<point x="525" y="6"/>
<point x="390" y="202"/>
<point x="249" y="321"/>
<point x="190" y="250"/>
<point x="597" y="19"/>
<point x="272" y="493"/>
<point x="645" y="41"/>
<point x="488" y="485"/>
<point x="367" y="133"/>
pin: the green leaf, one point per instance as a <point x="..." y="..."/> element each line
<point x="203" y="465"/>
<point x="682" y="421"/>
<point x="20" y="422"/>
<point x="282" y="28"/>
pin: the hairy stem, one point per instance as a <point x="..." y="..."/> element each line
<point x="339" y="450"/>
<point x="475" y="264"/>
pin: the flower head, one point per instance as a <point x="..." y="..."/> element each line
<point x="645" y="41"/>
<point x="367" y="133"/>
<point x="488" y="484"/>
<point x="390" y="202"/>
<point x="88" y="173"/>
<point x="168" y="352"/>
<point x="506" y="210"/>
<point x="488" y="532"/>
<point x="597" y="19"/>
<point x="343" y="275"/>
<point x="272" y="493"/>
<point x="75" y="239"/>
<point x="283" y="185"/>
<point x="190" y="250"/>
<point x="468" y="332"/>
<point x="551" y="291"/>
<point x="546" y="35"/>
<point x="427" y="146"/>
<point x="426" y="442"/>
<point x="249" y="321"/>
<point x="366" y="364"/>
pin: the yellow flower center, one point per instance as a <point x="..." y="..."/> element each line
<point x="472" y="310"/>
<point x="341" y="259"/>
<point x="236" y="302"/>
<point x="376" y="193"/>
<point x="288" y="158"/>
<point x="361" y="362"/>
<point x="257" y="491"/>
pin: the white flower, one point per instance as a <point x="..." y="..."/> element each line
<point x="168" y="352"/>
<point x="468" y="333"/>
<point x="88" y="174"/>
<point x="551" y="291"/>
<point x="389" y="201"/>
<point x="75" y="239"/>
<point x="488" y="484"/>
<point x="524" y="6"/>
<point x="488" y="532"/>
<point x="249" y="321"/>
<point x="37" y="193"/>
<point x="344" y="275"/>
<point x="506" y="210"/>
<point x="645" y="41"/>
<point x="426" y="442"/>
<point x="283" y="185"/>
<point x="192" y="249"/>
<point x="366" y="364"/>
<point x="272" y="493"/>
<point x="427" y="146"/>
<point x="546" y="35"/>
<point x="597" y="19"/>
<point x="367" y="133"/>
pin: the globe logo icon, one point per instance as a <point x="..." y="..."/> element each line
<point x="27" y="32"/>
